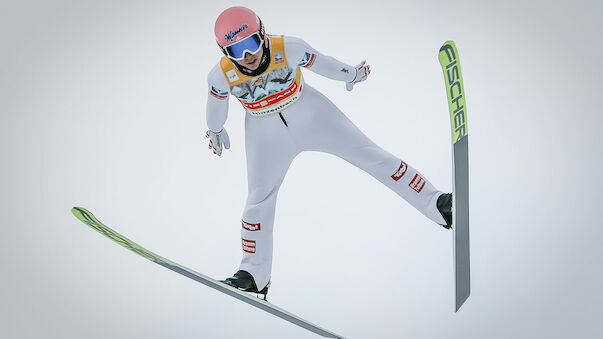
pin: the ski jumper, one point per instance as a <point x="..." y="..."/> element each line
<point x="284" y="117"/>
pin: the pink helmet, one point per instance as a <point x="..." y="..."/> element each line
<point x="237" y="23"/>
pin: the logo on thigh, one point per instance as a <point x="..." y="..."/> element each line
<point x="248" y="245"/>
<point x="400" y="172"/>
<point x="417" y="183"/>
<point x="251" y="227"/>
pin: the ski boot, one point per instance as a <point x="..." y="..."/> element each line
<point x="444" y="205"/>
<point x="243" y="281"/>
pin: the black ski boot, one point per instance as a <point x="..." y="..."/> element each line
<point x="444" y="205"/>
<point x="243" y="281"/>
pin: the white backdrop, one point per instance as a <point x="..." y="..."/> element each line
<point x="102" y="105"/>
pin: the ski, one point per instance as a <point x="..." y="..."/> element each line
<point x="89" y="219"/>
<point x="449" y="60"/>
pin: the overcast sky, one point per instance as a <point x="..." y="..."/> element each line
<point x="102" y="105"/>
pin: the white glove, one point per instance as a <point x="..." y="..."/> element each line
<point x="217" y="139"/>
<point x="362" y="73"/>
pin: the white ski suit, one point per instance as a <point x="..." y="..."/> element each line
<point x="309" y="122"/>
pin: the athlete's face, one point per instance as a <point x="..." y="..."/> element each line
<point x="252" y="61"/>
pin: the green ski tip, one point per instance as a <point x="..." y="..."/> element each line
<point x="455" y="91"/>
<point x="89" y="219"/>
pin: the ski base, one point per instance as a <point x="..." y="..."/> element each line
<point x="449" y="60"/>
<point x="460" y="206"/>
<point x="89" y="219"/>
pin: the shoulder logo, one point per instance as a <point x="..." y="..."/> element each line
<point x="278" y="57"/>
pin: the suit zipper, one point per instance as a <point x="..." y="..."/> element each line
<point x="283" y="119"/>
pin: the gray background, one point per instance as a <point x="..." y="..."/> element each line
<point x="103" y="106"/>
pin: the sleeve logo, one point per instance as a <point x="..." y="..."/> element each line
<point x="308" y="60"/>
<point x="218" y="93"/>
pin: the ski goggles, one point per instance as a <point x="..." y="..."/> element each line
<point x="250" y="44"/>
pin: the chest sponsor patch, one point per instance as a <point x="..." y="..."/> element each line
<point x="265" y="85"/>
<point x="400" y="172"/>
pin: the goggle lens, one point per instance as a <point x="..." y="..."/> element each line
<point x="250" y="44"/>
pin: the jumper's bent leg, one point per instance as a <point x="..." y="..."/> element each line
<point x="337" y="135"/>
